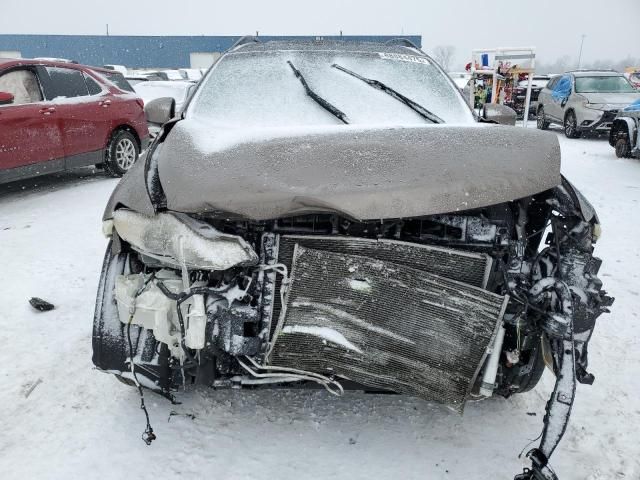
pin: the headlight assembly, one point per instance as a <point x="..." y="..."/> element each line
<point x="177" y="239"/>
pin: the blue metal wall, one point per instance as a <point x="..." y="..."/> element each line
<point x="142" y="51"/>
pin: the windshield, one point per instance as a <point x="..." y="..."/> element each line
<point x="260" y="89"/>
<point x="603" y="84"/>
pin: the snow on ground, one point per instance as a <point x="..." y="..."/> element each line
<point x="80" y="423"/>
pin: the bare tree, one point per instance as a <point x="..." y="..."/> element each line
<point x="443" y="54"/>
<point x="566" y="63"/>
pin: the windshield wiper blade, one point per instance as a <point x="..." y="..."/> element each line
<point x="317" y="98"/>
<point x="416" y="107"/>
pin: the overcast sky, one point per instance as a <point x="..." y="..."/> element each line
<point x="612" y="27"/>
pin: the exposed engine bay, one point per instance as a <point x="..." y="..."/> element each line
<point x="444" y="307"/>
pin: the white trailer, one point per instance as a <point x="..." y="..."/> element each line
<point x="498" y="56"/>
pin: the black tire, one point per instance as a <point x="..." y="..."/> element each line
<point x="571" y="125"/>
<point x="623" y="148"/>
<point x="109" y="347"/>
<point x="530" y="381"/>
<point x="110" y="338"/>
<point x="541" y="122"/>
<point x="121" y="154"/>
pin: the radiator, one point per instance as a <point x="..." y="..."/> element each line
<point x="382" y="319"/>
<point x="467" y="267"/>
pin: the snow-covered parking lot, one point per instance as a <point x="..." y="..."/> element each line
<point x="60" y="419"/>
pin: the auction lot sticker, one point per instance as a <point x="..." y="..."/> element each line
<point x="404" y="58"/>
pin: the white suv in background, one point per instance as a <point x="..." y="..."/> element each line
<point x="584" y="101"/>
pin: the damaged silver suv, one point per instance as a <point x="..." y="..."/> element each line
<point x="333" y="215"/>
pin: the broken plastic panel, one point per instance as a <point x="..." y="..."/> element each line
<point x="153" y="310"/>
<point x="181" y="241"/>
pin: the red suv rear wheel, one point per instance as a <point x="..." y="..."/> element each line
<point x="122" y="153"/>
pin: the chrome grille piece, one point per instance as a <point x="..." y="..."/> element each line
<point x="385" y="325"/>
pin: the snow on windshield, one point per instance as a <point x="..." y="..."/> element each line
<point x="260" y="89"/>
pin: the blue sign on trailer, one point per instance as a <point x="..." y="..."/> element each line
<point x="144" y="51"/>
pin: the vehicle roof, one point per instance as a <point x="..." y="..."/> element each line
<point x="167" y="83"/>
<point x="11" y="62"/>
<point x="595" y="73"/>
<point x="104" y="70"/>
<point x="319" y="45"/>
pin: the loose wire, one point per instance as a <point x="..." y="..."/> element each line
<point x="147" y="436"/>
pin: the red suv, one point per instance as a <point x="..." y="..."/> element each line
<point x="56" y="116"/>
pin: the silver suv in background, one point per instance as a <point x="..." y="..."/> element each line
<point x="584" y="101"/>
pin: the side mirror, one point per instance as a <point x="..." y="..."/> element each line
<point x="496" y="113"/>
<point x="160" y="110"/>
<point x="6" y="98"/>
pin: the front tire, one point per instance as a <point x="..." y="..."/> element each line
<point x="537" y="369"/>
<point x="571" y="125"/>
<point x="122" y="152"/>
<point x="623" y="149"/>
<point x="109" y="347"/>
<point x="541" y="122"/>
<point x="110" y="344"/>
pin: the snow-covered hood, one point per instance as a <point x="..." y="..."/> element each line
<point x="618" y="99"/>
<point x="359" y="172"/>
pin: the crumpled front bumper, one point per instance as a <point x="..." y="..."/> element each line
<point x="590" y="119"/>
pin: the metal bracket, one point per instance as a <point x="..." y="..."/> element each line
<point x="558" y="410"/>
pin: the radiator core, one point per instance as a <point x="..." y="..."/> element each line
<point x="381" y="318"/>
